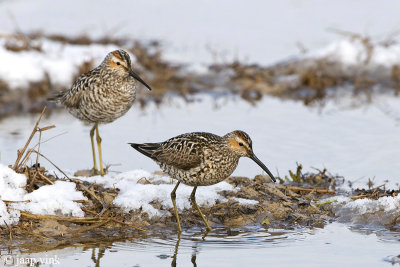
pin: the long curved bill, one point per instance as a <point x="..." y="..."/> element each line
<point x="134" y="75"/>
<point x="256" y="160"/>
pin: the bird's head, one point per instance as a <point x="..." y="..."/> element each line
<point x="119" y="62"/>
<point x="240" y="143"/>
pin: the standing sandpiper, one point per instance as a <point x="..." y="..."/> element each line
<point x="102" y="95"/>
<point x="199" y="159"/>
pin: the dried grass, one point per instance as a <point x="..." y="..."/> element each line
<point x="309" y="81"/>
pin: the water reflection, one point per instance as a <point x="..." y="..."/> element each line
<point x="100" y="253"/>
<point x="194" y="249"/>
<point x="177" y="246"/>
<point x="173" y="263"/>
<point x="255" y="246"/>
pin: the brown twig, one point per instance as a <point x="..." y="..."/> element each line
<point x="82" y="201"/>
<point x="393" y="222"/>
<point x="43" y="156"/>
<point x="79" y="183"/>
<point x="88" y="228"/>
<point x="47" y="128"/>
<point x="24" y="159"/>
<point x="30" y="151"/>
<point x="45" y="178"/>
<point x="115" y="220"/>
<point x="375" y="189"/>
<point x="76" y="181"/>
<point x="311" y="192"/>
<point x="15" y="201"/>
<point x="10" y="230"/>
<point x="275" y="191"/>
<point x="31" y="233"/>
<point x="62" y="218"/>
<point x="21" y="152"/>
<point x="358" y="197"/>
<point x="316" y="190"/>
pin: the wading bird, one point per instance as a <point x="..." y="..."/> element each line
<point x="200" y="159"/>
<point x="102" y="95"/>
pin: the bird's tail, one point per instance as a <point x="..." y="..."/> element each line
<point x="146" y="149"/>
<point x="55" y="97"/>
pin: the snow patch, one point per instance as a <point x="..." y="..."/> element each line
<point x="60" y="61"/>
<point x="11" y="188"/>
<point x="8" y="217"/>
<point x="356" y="53"/>
<point x="134" y="195"/>
<point x="11" y="184"/>
<point x="243" y="201"/>
<point x="57" y="199"/>
<point x="366" y="211"/>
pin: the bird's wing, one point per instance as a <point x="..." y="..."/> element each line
<point x="178" y="152"/>
<point x="80" y="87"/>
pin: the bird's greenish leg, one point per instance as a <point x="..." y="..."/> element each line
<point x="98" y="138"/>
<point x="193" y="199"/>
<point x="173" y="197"/>
<point x="93" y="151"/>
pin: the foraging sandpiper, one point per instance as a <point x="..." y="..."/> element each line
<point x="200" y="159"/>
<point x="102" y="95"/>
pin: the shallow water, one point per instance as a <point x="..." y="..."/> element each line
<point x="358" y="143"/>
<point x="355" y="142"/>
<point x="333" y="245"/>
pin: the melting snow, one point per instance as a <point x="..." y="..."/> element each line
<point x="366" y="211"/>
<point x="11" y="188"/>
<point x="139" y="188"/>
<point x="47" y="200"/>
<point x="54" y="200"/>
<point x="356" y="53"/>
<point x="60" y="61"/>
<point x="135" y="193"/>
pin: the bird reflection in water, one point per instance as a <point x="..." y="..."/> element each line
<point x="194" y="247"/>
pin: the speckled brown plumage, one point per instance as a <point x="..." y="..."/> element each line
<point x="200" y="159"/>
<point x="102" y="95"/>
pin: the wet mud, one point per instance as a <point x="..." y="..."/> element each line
<point x="296" y="200"/>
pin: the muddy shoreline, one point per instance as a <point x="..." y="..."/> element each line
<point x="313" y="81"/>
<point x="297" y="200"/>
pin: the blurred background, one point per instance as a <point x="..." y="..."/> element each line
<point x="312" y="82"/>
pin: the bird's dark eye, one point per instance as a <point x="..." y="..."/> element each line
<point x="240" y="144"/>
<point x="118" y="63"/>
